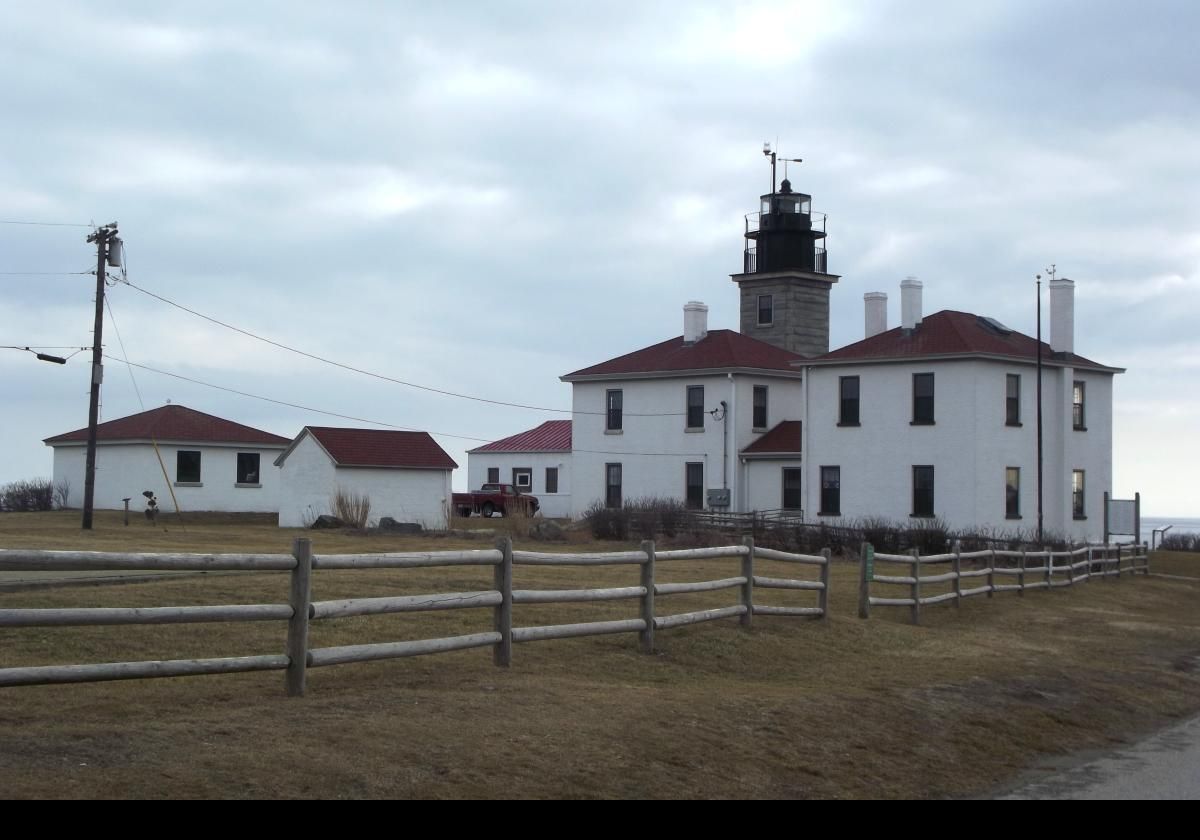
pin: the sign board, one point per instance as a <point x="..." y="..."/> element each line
<point x="870" y="558"/>
<point x="1122" y="516"/>
<point x="718" y="497"/>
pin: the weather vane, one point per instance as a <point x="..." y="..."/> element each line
<point x="769" y="152"/>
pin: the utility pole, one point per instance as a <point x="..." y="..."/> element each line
<point x="108" y="248"/>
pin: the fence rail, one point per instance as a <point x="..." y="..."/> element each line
<point x="1079" y="565"/>
<point x="301" y="610"/>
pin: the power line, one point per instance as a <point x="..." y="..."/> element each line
<point x="44" y="224"/>
<point x="381" y="376"/>
<point x="112" y="317"/>
<point x="41" y="273"/>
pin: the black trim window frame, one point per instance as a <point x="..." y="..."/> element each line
<point x="187" y="466"/>
<point x="1078" y="494"/>
<point x="551" y="479"/>
<point x="1012" y="492"/>
<point x="248" y="468"/>
<point x="760" y="405"/>
<point x="923" y="491"/>
<point x="1079" y="406"/>
<point x="523" y="472"/>
<point x="923" y="399"/>
<point x="849" y="388"/>
<point x="831" y="491"/>
<point x="766" y="310"/>
<point x="493" y="475"/>
<point x="695" y="408"/>
<point x="793" y="483"/>
<point x="1012" y="399"/>
<point x="614" y="414"/>
<point x="612" y="485"/>
<point x="693" y="479"/>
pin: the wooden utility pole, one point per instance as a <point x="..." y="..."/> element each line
<point x="102" y="237"/>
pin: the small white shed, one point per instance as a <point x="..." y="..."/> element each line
<point x="405" y="474"/>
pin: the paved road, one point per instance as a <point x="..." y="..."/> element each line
<point x="1164" y="766"/>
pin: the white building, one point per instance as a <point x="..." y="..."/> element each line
<point x="536" y="461"/>
<point x="405" y="474"/>
<point x="208" y="463"/>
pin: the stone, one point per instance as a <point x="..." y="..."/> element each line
<point x="549" y="530"/>
<point x="326" y="520"/>
<point x="387" y="523"/>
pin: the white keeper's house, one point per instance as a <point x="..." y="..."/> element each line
<point x="209" y="463"/>
<point x="933" y="418"/>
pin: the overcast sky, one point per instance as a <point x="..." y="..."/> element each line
<point x="483" y="197"/>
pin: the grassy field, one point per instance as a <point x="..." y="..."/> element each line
<point x="787" y="708"/>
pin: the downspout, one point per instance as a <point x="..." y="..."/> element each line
<point x="804" y="450"/>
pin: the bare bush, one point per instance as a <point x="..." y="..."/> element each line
<point x="350" y="507"/>
<point x="62" y="493"/>
<point x="27" y="495"/>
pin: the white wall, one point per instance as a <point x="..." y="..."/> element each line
<point x="309" y="480"/>
<point x="653" y="450"/>
<point x="764" y="482"/>
<point x="126" y="469"/>
<point x="554" y="505"/>
<point x="969" y="445"/>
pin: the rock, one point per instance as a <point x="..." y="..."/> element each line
<point x="548" y="529"/>
<point x="326" y="520"/>
<point x="387" y="523"/>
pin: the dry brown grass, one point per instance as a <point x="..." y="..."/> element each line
<point x="787" y="708"/>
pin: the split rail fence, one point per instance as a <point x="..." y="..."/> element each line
<point x="302" y="610"/>
<point x="1072" y="567"/>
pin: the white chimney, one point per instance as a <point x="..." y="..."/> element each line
<point x="1062" y="315"/>
<point x="875" y="306"/>
<point x="695" y="321"/>
<point x="910" y="302"/>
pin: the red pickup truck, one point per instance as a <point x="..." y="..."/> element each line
<point x="491" y="498"/>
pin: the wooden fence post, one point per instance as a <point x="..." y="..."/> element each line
<point x="1049" y="570"/>
<point x="1145" y="559"/>
<point x="991" y="575"/>
<point x="297" y="635"/>
<point x="502" y="613"/>
<point x="864" y="580"/>
<point x="916" y="586"/>
<point x="823" y="595"/>
<point x="748" y="586"/>
<point x="957" y="574"/>
<point x="1118" y="562"/>
<point x="646" y="637"/>
<point x="1071" y="569"/>
<point x="1088" y="579"/>
<point x="1021" y="574"/>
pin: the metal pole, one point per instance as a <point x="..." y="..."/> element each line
<point x="1039" y="411"/>
<point x="101" y="238"/>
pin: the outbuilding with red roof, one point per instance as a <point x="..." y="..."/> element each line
<point x="537" y="461"/>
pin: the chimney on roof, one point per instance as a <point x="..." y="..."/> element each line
<point x="910" y="302"/>
<point x="875" y="306"/>
<point x="695" y="321"/>
<point x="1062" y="315"/>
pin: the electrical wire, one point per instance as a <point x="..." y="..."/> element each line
<point x="381" y="376"/>
<point x="121" y="342"/>
<point x="44" y="224"/>
<point x="43" y="273"/>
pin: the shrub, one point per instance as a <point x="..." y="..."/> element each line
<point x="352" y="508"/>
<point x="31" y="494"/>
<point x="1180" y="542"/>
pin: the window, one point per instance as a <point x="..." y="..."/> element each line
<point x="766" y="310"/>
<point x="1012" y="400"/>
<point x="1012" y="492"/>
<point x="694" y="478"/>
<point x="551" y="479"/>
<point x="187" y="467"/>
<point x="922" y="491"/>
<point x="614" y="400"/>
<point x="612" y="485"/>
<point x="247" y="468"/>
<point x="922" y="399"/>
<point x="831" y="491"/>
<point x="493" y="475"/>
<point x="760" y="406"/>
<point x="1078" y="415"/>
<point x="695" y="407"/>
<point x="523" y="478"/>
<point x="792" y="480"/>
<point x="848" y="392"/>
<point x="1077" y="508"/>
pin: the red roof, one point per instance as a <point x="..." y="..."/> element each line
<point x="378" y="448"/>
<point x="175" y="423"/>
<point x="551" y="436"/>
<point x="951" y="333"/>
<point x="719" y="349"/>
<point x="784" y="439"/>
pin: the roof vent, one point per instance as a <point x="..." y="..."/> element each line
<point x="993" y="325"/>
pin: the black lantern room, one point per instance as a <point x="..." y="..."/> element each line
<point x="782" y="237"/>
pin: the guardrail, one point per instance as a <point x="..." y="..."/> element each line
<point x="1081" y="564"/>
<point x="302" y="610"/>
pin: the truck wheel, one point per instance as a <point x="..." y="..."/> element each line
<point x="488" y="509"/>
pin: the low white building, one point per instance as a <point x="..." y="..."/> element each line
<point x="405" y="474"/>
<point x="536" y="461"/>
<point x="208" y="463"/>
<point x="671" y="420"/>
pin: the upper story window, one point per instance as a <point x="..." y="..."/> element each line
<point x="187" y="466"/>
<point x="1078" y="411"/>
<point x="922" y="491"/>
<point x="614" y="404"/>
<point x="766" y="310"/>
<point x="247" y="468"/>
<point x="695" y="407"/>
<point x="922" y="399"/>
<point x="1012" y="400"/>
<point x="760" y="406"/>
<point x="848" y="395"/>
